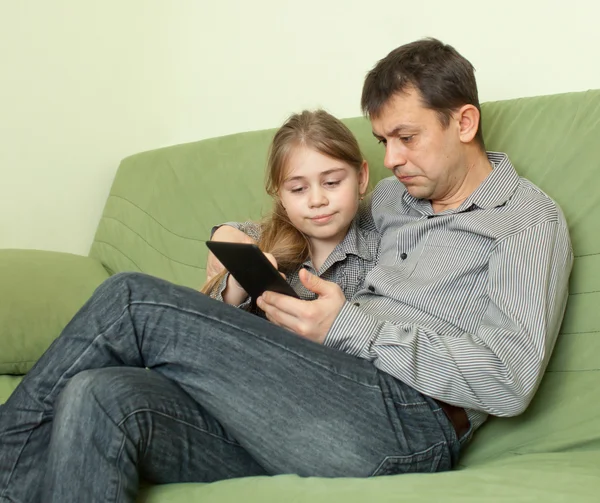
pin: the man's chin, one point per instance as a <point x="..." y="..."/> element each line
<point x="418" y="192"/>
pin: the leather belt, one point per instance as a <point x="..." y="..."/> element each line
<point x="457" y="416"/>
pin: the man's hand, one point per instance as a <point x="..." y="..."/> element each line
<point x="309" y="319"/>
<point x="229" y="235"/>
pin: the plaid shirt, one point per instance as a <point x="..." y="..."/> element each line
<point x="347" y="265"/>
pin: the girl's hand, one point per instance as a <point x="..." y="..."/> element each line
<point x="273" y="261"/>
<point x="234" y="294"/>
<point x="230" y="235"/>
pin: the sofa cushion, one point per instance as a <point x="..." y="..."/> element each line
<point x="40" y="292"/>
<point x="547" y="478"/>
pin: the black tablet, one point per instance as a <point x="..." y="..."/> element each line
<point x="250" y="268"/>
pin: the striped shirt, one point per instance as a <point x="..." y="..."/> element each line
<point x="347" y="265"/>
<point x="464" y="305"/>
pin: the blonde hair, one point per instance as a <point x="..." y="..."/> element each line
<point x="316" y="130"/>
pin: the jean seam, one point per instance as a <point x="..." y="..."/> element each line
<point x="412" y="404"/>
<point x="169" y="416"/>
<point x="119" y="484"/>
<point x="84" y="353"/>
<point x="12" y="470"/>
<point x="119" y="476"/>
<point x="441" y="443"/>
<point x="264" y="339"/>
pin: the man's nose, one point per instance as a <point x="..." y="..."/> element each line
<point x="394" y="156"/>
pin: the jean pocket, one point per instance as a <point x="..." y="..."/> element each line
<point x="427" y="461"/>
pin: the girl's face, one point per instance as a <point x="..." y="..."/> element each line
<point x="321" y="194"/>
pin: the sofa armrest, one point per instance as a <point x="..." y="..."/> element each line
<point x="40" y="291"/>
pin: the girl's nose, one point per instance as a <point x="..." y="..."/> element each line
<point x="317" y="198"/>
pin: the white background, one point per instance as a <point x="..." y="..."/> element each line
<point x="85" y="83"/>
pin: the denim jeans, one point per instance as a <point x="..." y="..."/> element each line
<point x="158" y="382"/>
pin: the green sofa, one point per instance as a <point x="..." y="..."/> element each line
<point x="160" y="211"/>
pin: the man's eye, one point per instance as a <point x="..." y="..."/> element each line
<point x="381" y="141"/>
<point x="407" y="139"/>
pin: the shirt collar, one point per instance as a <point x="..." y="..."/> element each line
<point x="494" y="191"/>
<point x="498" y="187"/>
<point x="354" y="243"/>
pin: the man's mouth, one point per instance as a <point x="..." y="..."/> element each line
<point x="405" y="178"/>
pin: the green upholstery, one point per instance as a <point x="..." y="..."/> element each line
<point x="160" y="211"/>
<point x="39" y="293"/>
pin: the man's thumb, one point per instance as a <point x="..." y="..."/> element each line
<point x="312" y="282"/>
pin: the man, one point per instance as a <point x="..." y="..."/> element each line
<point x="471" y="285"/>
<point x="155" y="380"/>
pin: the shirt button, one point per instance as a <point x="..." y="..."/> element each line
<point x="371" y="288"/>
<point x="403" y="256"/>
<point x="357" y="304"/>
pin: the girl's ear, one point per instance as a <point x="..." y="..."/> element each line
<point x="363" y="178"/>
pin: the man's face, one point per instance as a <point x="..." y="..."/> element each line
<point x="422" y="154"/>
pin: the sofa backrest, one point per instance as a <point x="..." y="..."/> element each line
<point x="163" y="203"/>
<point x="555" y="142"/>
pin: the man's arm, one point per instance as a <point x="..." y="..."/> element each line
<point x="497" y="368"/>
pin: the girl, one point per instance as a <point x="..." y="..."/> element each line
<point x="57" y="424"/>
<point x="316" y="176"/>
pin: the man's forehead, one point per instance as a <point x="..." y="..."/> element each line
<point x="402" y="112"/>
<point x="398" y="120"/>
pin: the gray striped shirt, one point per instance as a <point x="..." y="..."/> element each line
<point x="464" y="305"/>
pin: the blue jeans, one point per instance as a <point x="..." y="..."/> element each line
<point x="158" y="382"/>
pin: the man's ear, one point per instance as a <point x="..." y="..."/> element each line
<point x="468" y="122"/>
<point x="363" y="178"/>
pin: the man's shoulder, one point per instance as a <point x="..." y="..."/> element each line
<point x="531" y="200"/>
<point x="389" y="183"/>
<point x="389" y="189"/>
<point x="529" y="208"/>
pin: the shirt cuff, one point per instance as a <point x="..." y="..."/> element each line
<point x="236" y="225"/>
<point x="353" y="331"/>
<point x="251" y="229"/>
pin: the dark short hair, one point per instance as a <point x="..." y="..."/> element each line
<point x="444" y="79"/>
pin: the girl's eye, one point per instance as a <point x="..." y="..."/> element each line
<point x="297" y="190"/>
<point x="332" y="184"/>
